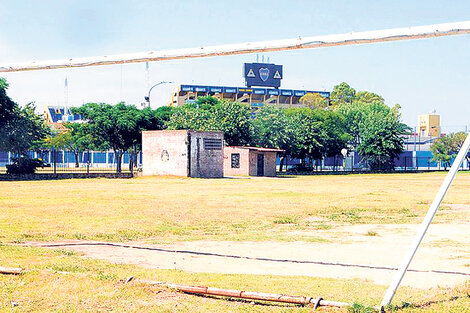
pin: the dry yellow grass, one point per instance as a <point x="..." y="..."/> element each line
<point x="98" y="286"/>
<point x="170" y="209"/>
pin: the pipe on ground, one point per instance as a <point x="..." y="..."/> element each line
<point x="11" y="270"/>
<point x="249" y="295"/>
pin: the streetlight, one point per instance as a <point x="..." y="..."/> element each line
<point x="147" y="98"/>
<point x="344" y="152"/>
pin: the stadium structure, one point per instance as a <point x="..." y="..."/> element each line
<point x="59" y="114"/>
<point x="255" y="97"/>
<point x="266" y="76"/>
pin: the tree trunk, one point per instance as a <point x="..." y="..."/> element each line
<point x="131" y="160"/>
<point x="76" y="154"/>
<point x="118" y="156"/>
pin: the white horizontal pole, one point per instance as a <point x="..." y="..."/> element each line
<point x="416" y="32"/>
<point x="425" y="224"/>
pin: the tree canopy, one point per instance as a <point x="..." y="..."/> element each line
<point x="7" y="105"/>
<point x="314" y="101"/>
<point x="445" y="148"/>
<point x="342" y="93"/>
<point x="74" y="137"/>
<point x="119" y="127"/>
<point x="23" y="131"/>
<point x="210" y="114"/>
<point x="375" y="128"/>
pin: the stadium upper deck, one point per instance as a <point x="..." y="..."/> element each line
<point x="59" y="114"/>
<point x="256" y="97"/>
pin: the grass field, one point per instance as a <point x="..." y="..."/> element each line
<point x="162" y="210"/>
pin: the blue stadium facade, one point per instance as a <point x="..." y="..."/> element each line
<point x="60" y="114"/>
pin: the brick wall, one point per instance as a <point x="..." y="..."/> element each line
<point x="270" y="164"/>
<point x="165" y="152"/>
<point x="249" y="162"/>
<point x="207" y="160"/>
<point x="182" y="153"/>
<point x="244" y="169"/>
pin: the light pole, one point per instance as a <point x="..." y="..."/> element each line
<point x="344" y="152"/>
<point x="147" y="98"/>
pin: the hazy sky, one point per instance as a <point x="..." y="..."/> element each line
<point x="420" y="75"/>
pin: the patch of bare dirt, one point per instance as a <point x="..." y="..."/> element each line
<point x="459" y="207"/>
<point x="369" y="252"/>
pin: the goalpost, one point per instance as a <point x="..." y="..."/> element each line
<point x="429" y="31"/>
<point x="395" y="34"/>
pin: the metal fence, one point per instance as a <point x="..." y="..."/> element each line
<point x="59" y="161"/>
<point x="407" y="162"/>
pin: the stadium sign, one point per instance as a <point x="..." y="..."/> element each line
<point x="262" y="74"/>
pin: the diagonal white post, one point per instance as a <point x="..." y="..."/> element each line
<point x="425" y="224"/>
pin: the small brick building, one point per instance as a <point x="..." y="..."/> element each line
<point x="250" y="161"/>
<point x="187" y="153"/>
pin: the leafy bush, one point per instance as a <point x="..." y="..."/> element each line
<point x="23" y="165"/>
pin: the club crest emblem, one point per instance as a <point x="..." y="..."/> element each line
<point x="264" y="73"/>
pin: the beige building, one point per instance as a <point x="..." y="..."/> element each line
<point x="182" y="153"/>
<point x="429" y="125"/>
<point x="250" y="161"/>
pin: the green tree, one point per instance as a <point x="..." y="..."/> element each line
<point x="119" y="127"/>
<point x="3" y="83"/>
<point x="113" y="126"/>
<point x="314" y="101"/>
<point x="353" y="114"/>
<point x="210" y="114"/>
<point x="368" y="97"/>
<point x="147" y="119"/>
<point x="335" y="133"/>
<point x="319" y="133"/>
<point x="273" y="128"/>
<point x="445" y="148"/>
<point x="187" y="117"/>
<point x="76" y="137"/>
<point x="7" y="106"/>
<point x="376" y="129"/>
<point x="23" y="131"/>
<point x="381" y="136"/>
<point x="342" y="93"/>
<point x="308" y="133"/>
<point x="234" y="119"/>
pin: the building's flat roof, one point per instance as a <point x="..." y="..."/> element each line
<point x="260" y="149"/>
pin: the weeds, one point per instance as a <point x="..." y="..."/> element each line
<point x="286" y="220"/>
<point x="359" y="308"/>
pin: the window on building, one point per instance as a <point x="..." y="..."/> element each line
<point x="235" y="160"/>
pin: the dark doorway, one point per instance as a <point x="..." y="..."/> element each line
<point x="260" y="165"/>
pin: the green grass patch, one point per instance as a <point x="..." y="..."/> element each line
<point x="286" y="220"/>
